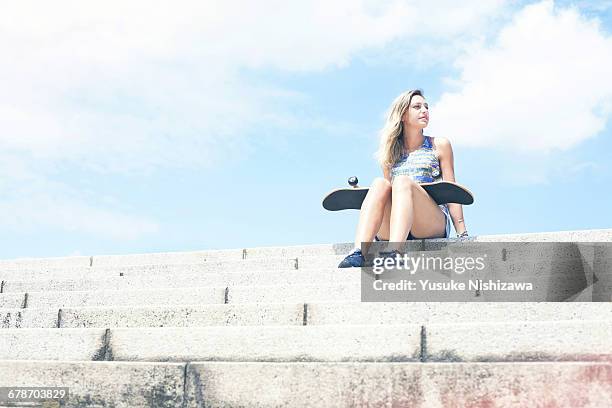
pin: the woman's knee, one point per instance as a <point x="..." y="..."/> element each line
<point x="380" y="186"/>
<point x="379" y="193"/>
<point x="403" y="183"/>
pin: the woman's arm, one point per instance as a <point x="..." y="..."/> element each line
<point x="386" y="173"/>
<point x="445" y="156"/>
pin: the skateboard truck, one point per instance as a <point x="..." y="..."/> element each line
<point x="353" y="181"/>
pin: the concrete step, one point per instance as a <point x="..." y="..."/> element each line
<point x="176" y="279"/>
<point x="283" y="327"/>
<point x="602" y="235"/>
<point x="595" y="235"/>
<point x="519" y="341"/>
<point x="102" y="384"/>
<point x="312" y="251"/>
<point x="183" y="257"/>
<point x="194" y="257"/>
<point x="319" y="250"/>
<point x="216" y="343"/>
<point x="318" y="313"/>
<point x="473" y="342"/>
<point x="570" y="264"/>
<point x="452" y="312"/>
<point x="399" y="385"/>
<point x="28" y="318"/>
<point x="183" y="296"/>
<point x="316" y="384"/>
<point x="53" y="344"/>
<point x="518" y="268"/>
<point x="271" y="314"/>
<point x="127" y="297"/>
<point x="98" y="272"/>
<point x="155" y="316"/>
<point x="294" y="293"/>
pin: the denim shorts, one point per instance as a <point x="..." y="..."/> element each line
<point x="444" y="209"/>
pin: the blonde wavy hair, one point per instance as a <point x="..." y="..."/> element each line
<point x="391" y="141"/>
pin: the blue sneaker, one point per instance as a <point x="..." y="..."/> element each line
<point x="353" y="260"/>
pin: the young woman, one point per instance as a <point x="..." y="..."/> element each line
<point x="396" y="208"/>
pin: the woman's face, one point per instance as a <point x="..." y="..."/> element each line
<point x="417" y="114"/>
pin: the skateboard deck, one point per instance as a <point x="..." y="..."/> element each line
<point x="442" y="192"/>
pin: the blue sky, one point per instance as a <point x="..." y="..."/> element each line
<point x="127" y="128"/>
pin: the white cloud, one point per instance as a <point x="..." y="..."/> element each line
<point x="138" y="86"/>
<point x="544" y="85"/>
<point x="538" y="168"/>
<point x="29" y="213"/>
<point x="36" y="202"/>
<point x="119" y="86"/>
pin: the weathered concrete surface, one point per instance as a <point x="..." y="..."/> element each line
<point x="452" y="312"/>
<point x="194" y="295"/>
<point x="52" y="344"/>
<point x="216" y="384"/>
<point x="517" y="384"/>
<point x="225" y="255"/>
<point x="158" y="271"/>
<point x="176" y="296"/>
<point x="267" y="343"/>
<point x="595" y="235"/>
<point x="28" y="318"/>
<point x="221" y="384"/>
<point x="145" y="271"/>
<point x="174" y="279"/>
<point x="270" y="314"/>
<point x="12" y="300"/>
<point x="318" y="313"/>
<point x="520" y="341"/>
<point x="318" y="250"/>
<point x="267" y="265"/>
<point x="41" y="263"/>
<point x="253" y="326"/>
<point x="102" y="384"/>
<point x="603" y="235"/>
<point x="294" y="293"/>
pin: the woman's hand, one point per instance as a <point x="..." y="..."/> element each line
<point x="447" y="166"/>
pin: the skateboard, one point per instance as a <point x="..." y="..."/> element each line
<point x="442" y="192"/>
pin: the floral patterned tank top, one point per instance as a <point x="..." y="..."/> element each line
<point x="422" y="165"/>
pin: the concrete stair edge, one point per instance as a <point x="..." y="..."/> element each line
<point x="595" y="235"/>
<point x="211" y="384"/>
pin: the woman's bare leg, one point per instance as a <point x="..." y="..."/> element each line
<point x="372" y="211"/>
<point x="383" y="232"/>
<point x="413" y="210"/>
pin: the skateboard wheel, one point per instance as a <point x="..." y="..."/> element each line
<point x="353" y="181"/>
